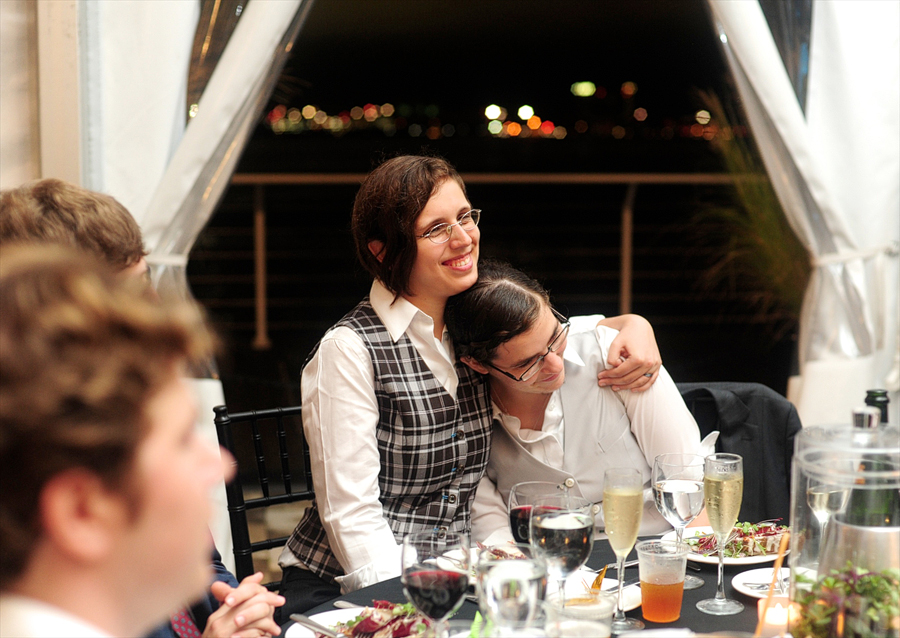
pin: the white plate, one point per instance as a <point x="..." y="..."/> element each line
<point x="713" y="559"/>
<point x="575" y="584"/>
<point x="327" y="618"/>
<point x="764" y="575"/>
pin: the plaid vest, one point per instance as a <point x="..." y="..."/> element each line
<point x="433" y="449"/>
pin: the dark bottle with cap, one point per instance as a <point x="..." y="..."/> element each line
<point x="875" y="502"/>
<point x="879" y="399"/>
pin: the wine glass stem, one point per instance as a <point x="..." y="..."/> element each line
<point x="620" y="568"/>
<point x="720" y="584"/>
<point x="562" y="593"/>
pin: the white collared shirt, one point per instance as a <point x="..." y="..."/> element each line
<point x="658" y="421"/>
<point x="22" y="617"/>
<point x="548" y="443"/>
<point x="340" y="415"/>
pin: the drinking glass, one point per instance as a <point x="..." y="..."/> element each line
<point x="825" y="499"/>
<point x="623" y="503"/>
<point x="678" y="491"/>
<point x="521" y="500"/>
<point x="562" y="534"/>
<point x="511" y="587"/>
<point x="435" y="573"/>
<point x="723" y="488"/>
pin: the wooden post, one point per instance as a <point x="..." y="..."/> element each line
<point x="261" y="340"/>
<point x="625" y="265"/>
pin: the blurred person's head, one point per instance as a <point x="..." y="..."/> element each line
<point x="57" y="212"/>
<point x="505" y="327"/>
<point x="104" y="480"/>
<point x="400" y="201"/>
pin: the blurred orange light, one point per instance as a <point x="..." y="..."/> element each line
<point x="387" y="109"/>
<point x="433" y="132"/>
<point x="581" y="126"/>
<point x="640" y="114"/>
<point x="547" y="127"/>
<point x="534" y="122"/>
<point x="618" y="132"/>
<point x="514" y="128"/>
<point x="697" y="130"/>
<point x="629" y="89"/>
<point x="357" y="113"/>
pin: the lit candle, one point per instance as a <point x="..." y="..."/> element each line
<point x="776" y="616"/>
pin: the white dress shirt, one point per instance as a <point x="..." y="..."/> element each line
<point x="22" y="617"/>
<point x="338" y="387"/>
<point x="586" y="430"/>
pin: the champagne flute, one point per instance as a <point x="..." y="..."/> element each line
<point x="723" y="488"/>
<point x="678" y="491"/>
<point x="623" y="504"/>
<point x="435" y="573"/>
<point x="521" y="499"/>
<point x="562" y="534"/>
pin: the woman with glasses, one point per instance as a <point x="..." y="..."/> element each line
<point x="398" y="430"/>
<point x="552" y="421"/>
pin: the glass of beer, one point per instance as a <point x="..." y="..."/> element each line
<point x="661" y="565"/>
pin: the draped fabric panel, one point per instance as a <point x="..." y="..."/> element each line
<point x="171" y="176"/>
<point x="836" y="170"/>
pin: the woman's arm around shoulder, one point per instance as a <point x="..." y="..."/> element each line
<point x="633" y="354"/>
<point x="660" y="420"/>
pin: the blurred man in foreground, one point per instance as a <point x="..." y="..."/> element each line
<point x="51" y="211"/>
<point x="104" y="502"/>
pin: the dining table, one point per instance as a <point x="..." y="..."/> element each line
<point x="691" y="618"/>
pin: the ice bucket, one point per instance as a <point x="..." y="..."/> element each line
<point x="845" y="522"/>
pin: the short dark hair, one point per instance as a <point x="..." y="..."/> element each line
<point x="503" y="303"/>
<point x="53" y="211"/>
<point x="82" y="352"/>
<point x="386" y="208"/>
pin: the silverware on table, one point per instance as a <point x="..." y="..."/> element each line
<point x="346" y="604"/>
<point x="628" y="563"/>
<point x="627" y="583"/>
<point x="300" y="619"/>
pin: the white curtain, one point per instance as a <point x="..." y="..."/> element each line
<point x="168" y="175"/>
<point x="836" y="171"/>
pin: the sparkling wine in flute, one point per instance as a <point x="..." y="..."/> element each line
<point x="679" y="501"/>
<point x="622" y="510"/>
<point x="565" y="541"/>
<point x="825" y="500"/>
<point x="723" y="502"/>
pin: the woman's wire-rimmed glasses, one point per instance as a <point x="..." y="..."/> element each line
<point x="440" y="233"/>
<point x="555" y="345"/>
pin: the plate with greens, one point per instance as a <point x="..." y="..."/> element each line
<point x="749" y="544"/>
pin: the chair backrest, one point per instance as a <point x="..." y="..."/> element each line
<point x="271" y="436"/>
<point x="760" y="425"/>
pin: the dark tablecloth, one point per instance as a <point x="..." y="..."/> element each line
<point x="691" y="617"/>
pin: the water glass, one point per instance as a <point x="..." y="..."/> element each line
<point x="678" y="491"/>
<point x="562" y="534"/>
<point x="511" y="586"/>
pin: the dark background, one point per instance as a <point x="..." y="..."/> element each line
<point x="444" y="62"/>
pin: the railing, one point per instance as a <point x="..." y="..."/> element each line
<point x="632" y="180"/>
